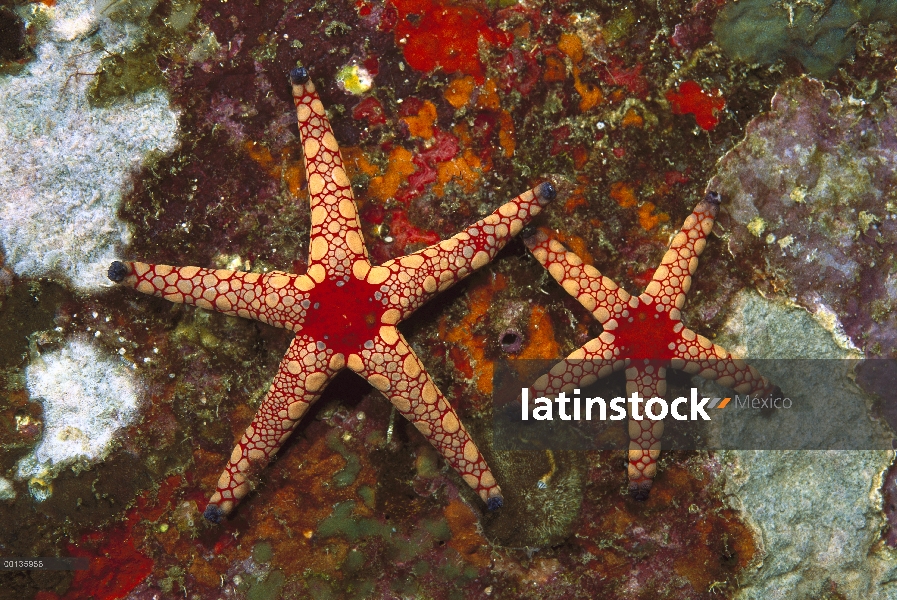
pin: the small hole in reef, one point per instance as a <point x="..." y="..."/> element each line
<point x="729" y="560"/>
<point x="511" y="341"/>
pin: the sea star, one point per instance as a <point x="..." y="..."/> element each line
<point x="643" y="335"/>
<point x="344" y="312"/>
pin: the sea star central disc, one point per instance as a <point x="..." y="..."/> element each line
<point x="335" y="315"/>
<point x="645" y="333"/>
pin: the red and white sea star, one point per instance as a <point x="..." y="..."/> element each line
<point x="344" y="312"/>
<point x="643" y="335"/>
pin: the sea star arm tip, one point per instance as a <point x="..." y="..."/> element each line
<point x="545" y="193"/>
<point x="672" y="278"/>
<point x="640" y="490"/>
<point x="299" y="75"/>
<point x="713" y="197"/>
<point x="118" y="271"/>
<point x="533" y="236"/>
<point x="696" y="355"/>
<point x="336" y="242"/>
<point x="213" y="514"/>
<point x="274" y="298"/>
<point x="648" y="379"/>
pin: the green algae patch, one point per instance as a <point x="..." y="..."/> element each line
<point x="347" y="475"/>
<point x="262" y="552"/>
<point x="354" y="561"/>
<point x="438" y="528"/>
<point x="368" y="496"/>
<point x="343" y="521"/>
<point x="125" y="76"/>
<point x="819" y="34"/>
<point x="621" y="26"/>
<point x="494" y="4"/>
<point x="136" y="70"/>
<point x="267" y="588"/>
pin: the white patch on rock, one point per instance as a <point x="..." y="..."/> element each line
<point x="64" y="165"/>
<point x="816" y="514"/>
<point x="87" y="397"/>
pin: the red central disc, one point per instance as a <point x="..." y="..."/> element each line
<point x="648" y="336"/>
<point x="343" y="316"/>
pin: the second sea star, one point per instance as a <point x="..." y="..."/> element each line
<point x="643" y="335"/>
<point x="344" y="311"/>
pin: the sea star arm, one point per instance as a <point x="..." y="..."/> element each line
<point x="303" y="374"/>
<point x="696" y="355"/>
<point x="648" y="379"/>
<point x="672" y="279"/>
<point x="275" y="298"/>
<point x="336" y="240"/>
<point x="585" y="365"/>
<point x="413" y="279"/>
<point x="597" y="293"/>
<point x="392" y="367"/>
<point x="693" y="354"/>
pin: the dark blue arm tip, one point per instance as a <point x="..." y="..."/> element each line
<point x="640" y="491"/>
<point x="494" y="503"/>
<point x="548" y="191"/>
<point x="299" y="75"/>
<point x="117" y="272"/>
<point x="213" y="514"/>
<point x="713" y="198"/>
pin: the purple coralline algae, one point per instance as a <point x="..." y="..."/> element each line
<point x="811" y="205"/>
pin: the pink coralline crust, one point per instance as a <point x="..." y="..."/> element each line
<point x="444" y="147"/>
<point x="520" y="71"/>
<point x="618" y="73"/>
<point x="225" y="112"/>
<point x="371" y="110"/>
<point x="814" y="171"/>
<point x="696" y="29"/>
<point x="406" y="234"/>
